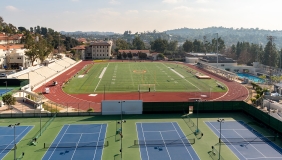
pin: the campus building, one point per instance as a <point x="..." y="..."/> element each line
<point x="98" y="50"/>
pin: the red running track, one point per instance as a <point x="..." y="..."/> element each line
<point x="236" y="92"/>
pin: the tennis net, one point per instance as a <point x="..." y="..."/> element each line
<point x="6" y="146"/>
<point x="165" y="142"/>
<point x="248" y="140"/>
<point x="77" y="145"/>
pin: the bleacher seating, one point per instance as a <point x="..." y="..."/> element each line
<point x="39" y="74"/>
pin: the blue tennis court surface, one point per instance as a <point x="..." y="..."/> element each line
<point x="171" y="143"/>
<point x="3" y="91"/>
<point x="78" y="142"/>
<point x="7" y="138"/>
<point x="246" y="150"/>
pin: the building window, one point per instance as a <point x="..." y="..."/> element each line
<point x="100" y="50"/>
<point x="103" y="46"/>
<point x="107" y="50"/>
<point x="107" y="55"/>
<point x="103" y="54"/>
<point x="100" y="54"/>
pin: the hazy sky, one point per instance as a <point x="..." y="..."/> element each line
<point x="142" y="15"/>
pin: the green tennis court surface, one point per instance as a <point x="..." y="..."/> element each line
<point x="202" y="146"/>
<point x="134" y="76"/>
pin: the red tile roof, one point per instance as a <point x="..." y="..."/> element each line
<point x="81" y="47"/>
<point x="15" y="46"/>
<point x="134" y="51"/>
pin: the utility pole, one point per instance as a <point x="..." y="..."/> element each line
<point x="217" y="50"/>
<point x="271" y="39"/>
<point x="205" y="37"/>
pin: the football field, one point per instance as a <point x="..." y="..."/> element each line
<point x="143" y="76"/>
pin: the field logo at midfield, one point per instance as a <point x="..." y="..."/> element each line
<point x="139" y="71"/>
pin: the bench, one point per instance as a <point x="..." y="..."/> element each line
<point x="220" y="86"/>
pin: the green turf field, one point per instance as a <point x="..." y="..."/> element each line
<point x="127" y="77"/>
<point x="202" y="146"/>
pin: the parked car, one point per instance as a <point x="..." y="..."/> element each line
<point x="3" y="75"/>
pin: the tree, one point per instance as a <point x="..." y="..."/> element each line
<point x="159" y="45"/>
<point x="142" y="56"/>
<point x="188" y="46"/>
<point x="124" y="55"/>
<point x="138" y="43"/>
<point x="129" y="55"/>
<point x="40" y="49"/>
<point x="270" y="55"/>
<point x="22" y="29"/>
<point x="8" y="99"/>
<point x="160" y="56"/>
<point x="121" y="44"/>
<point x="172" y="46"/>
<point x="119" y="56"/>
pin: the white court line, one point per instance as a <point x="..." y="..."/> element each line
<point x="13" y="141"/>
<point x="100" y="80"/>
<point x="104" y="139"/>
<point x="138" y="139"/>
<point x="97" y="142"/>
<point x="228" y="141"/>
<point x="53" y="141"/>
<point x="76" y="145"/>
<point x="103" y="72"/>
<point x="145" y="142"/>
<point x="58" y="142"/>
<point x="182" y="140"/>
<point x="235" y="129"/>
<point x="250" y="143"/>
<point x="84" y="133"/>
<point x="266" y="158"/>
<point x="162" y="131"/>
<point x="165" y="145"/>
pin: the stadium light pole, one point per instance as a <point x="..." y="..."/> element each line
<point x="121" y="121"/>
<point x="15" y="147"/>
<point x="6" y="85"/>
<point x="217" y="50"/>
<point x="220" y="120"/>
<point x="197" y="115"/>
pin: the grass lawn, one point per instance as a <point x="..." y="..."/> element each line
<point x="126" y="77"/>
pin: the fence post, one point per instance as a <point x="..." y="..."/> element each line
<point x="67" y="109"/>
<point x="78" y="109"/>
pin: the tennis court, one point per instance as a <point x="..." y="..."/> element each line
<point x="78" y="141"/>
<point x="7" y="137"/>
<point x="245" y="142"/>
<point x="3" y="91"/>
<point x="164" y="141"/>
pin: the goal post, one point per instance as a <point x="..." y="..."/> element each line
<point x="146" y="87"/>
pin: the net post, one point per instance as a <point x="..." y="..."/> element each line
<point x="44" y="145"/>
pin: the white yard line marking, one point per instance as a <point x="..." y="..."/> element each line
<point x="100" y="79"/>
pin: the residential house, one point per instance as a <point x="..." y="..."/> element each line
<point x="13" y="56"/>
<point x="10" y="39"/>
